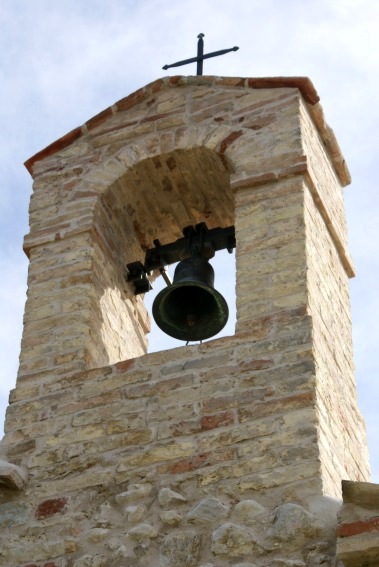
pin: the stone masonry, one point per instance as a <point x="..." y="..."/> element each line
<point x="223" y="454"/>
<point x="358" y="525"/>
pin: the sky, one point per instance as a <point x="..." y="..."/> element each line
<point x="64" y="61"/>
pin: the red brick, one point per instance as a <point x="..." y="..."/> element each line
<point x="218" y="420"/>
<point x="202" y="460"/>
<point x="155" y="86"/>
<point x="125" y="365"/>
<point x="304" y="84"/>
<point x="50" y="508"/>
<point x="131" y="100"/>
<point x="220" y="403"/>
<point x="229" y="140"/>
<point x="360" y="527"/>
<point x="99" y="118"/>
<point x="59" y="144"/>
<point x="139" y="95"/>
<point x="155" y="117"/>
<point x="175" y="79"/>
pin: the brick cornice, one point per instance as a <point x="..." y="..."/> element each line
<point x="304" y="84"/>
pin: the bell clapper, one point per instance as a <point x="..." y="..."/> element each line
<point x="191" y="319"/>
<point x="165" y="275"/>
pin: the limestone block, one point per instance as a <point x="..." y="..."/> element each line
<point x="234" y="541"/>
<point x="166" y="452"/>
<point x="180" y="549"/>
<point x="122" y="552"/>
<point x="91" y="561"/>
<point x="288" y="563"/>
<point x="248" y="510"/>
<point x="208" y="510"/>
<point x="134" y="492"/>
<point x="170" y="517"/>
<point x="293" y="524"/>
<point x="359" y="551"/>
<point x="135" y="513"/>
<point x="364" y="494"/>
<point x="13" y="514"/>
<point x="98" y="534"/>
<point x="140" y="550"/>
<point x="105" y="517"/>
<point x="320" y="553"/>
<point x="142" y="532"/>
<point x="18" y="553"/>
<point x="12" y="475"/>
<point x="113" y="543"/>
<point x="168" y="497"/>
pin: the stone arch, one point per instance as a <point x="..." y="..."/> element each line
<point x="155" y="199"/>
<point x="100" y="177"/>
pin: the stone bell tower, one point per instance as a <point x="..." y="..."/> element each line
<point x="222" y="454"/>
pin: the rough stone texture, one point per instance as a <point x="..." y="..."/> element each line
<point x="182" y="548"/>
<point x="168" y="497"/>
<point x="208" y="510"/>
<point x="221" y="454"/>
<point x="294" y="524"/>
<point x="143" y="532"/>
<point x="247" y="510"/>
<point x="234" y="541"/>
<point x="91" y="561"/>
<point x="358" y="526"/>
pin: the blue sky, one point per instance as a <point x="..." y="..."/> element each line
<point x="62" y="62"/>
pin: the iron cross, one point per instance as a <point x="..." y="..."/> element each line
<point x="200" y="56"/>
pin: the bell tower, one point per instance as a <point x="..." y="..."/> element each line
<point x="220" y="454"/>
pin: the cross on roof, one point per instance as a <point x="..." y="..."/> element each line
<point x="200" y="56"/>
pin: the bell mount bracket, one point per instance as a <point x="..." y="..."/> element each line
<point x="197" y="240"/>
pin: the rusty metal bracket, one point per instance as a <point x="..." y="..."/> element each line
<point x="197" y="240"/>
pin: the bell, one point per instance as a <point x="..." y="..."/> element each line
<point x="190" y="309"/>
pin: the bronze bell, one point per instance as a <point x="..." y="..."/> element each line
<point x="190" y="309"/>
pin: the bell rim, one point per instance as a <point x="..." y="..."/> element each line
<point x="217" y="295"/>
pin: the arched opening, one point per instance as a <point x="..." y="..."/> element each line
<point x="156" y="199"/>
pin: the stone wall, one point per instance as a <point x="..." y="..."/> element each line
<point x="202" y="454"/>
<point x="223" y="454"/>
